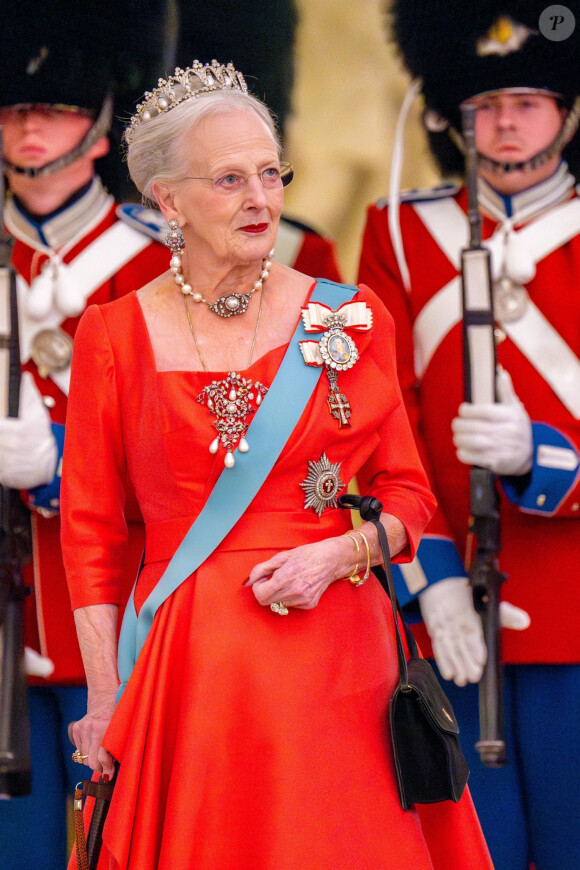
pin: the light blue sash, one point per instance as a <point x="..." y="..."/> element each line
<point x="235" y="488"/>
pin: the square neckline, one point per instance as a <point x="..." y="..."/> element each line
<point x="212" y="372"/>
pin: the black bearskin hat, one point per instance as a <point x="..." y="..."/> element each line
<point x="444" y="42"/>
<point x="72" y="53"/>
<point x="257" y="36"/>
<point x="59" y="54"/>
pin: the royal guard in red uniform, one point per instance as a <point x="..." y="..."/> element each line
<point x="519" y="68"/>
<point x="59" y="78"/>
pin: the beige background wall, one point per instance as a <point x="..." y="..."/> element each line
<point x="349" y="87"/>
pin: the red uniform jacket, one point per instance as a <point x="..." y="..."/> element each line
<point x="302" y="248"/>
<point x="540" y="512"/>
<point x="49" y="622"/>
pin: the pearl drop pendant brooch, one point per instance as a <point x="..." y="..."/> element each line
<point x="231" y="401"/>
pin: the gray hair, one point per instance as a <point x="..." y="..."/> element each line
<point x="155" y="152"/>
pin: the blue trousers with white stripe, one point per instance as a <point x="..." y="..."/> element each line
<point x="529" y="809"/>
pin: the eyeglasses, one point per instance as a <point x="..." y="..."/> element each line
<point x="272" y="177"/>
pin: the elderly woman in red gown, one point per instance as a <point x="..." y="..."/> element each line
<point x="252" y="730"/>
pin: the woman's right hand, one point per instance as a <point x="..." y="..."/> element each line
<point x="87" y="734"/>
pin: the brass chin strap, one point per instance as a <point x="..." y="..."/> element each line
<point x="99" y="129"/>
<point x="556" y="147"/>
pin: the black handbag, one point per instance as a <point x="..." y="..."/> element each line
<point x="429" y="762"/>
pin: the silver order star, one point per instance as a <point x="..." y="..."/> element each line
<point x="322" y="484"/>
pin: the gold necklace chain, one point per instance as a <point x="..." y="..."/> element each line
<point x="197" y="347"/>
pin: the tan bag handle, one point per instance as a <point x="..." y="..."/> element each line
<point x="101" y="791"/>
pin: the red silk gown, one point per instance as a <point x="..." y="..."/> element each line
<point x="246" y="740"/>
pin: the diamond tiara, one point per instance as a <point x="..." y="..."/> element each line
<point x="183" y="85"/>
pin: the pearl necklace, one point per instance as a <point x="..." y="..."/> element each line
<point x="231" y="303"/>
<point x="197" y="347"/>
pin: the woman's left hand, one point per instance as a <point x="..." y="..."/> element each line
<point x="298" y="577"/>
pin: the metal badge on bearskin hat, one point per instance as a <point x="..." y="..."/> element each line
<point x="459" y="50"/>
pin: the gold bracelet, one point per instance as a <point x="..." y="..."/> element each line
<point x="353" y="577"/>
<point x="368" y="549"/>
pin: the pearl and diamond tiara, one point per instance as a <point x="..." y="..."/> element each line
<point x="188" y="84"/>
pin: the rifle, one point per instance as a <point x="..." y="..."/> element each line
<point x="15" y="548"/>
<point x="484" y="525"/>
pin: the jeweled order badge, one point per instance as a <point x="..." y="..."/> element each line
<point x="335" y="350"/>
<point x="322" y="484"/>
<point x="339" y="353"/>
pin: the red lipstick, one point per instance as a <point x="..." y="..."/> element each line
<point x="254" y="228"/>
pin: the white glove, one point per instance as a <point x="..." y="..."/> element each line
<point x="456" y="631"/>
<point x="36" y="665"/>
<point x="497" y="436"/>
<point x="28" y="450"/>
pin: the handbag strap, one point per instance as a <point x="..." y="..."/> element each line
<point x="88" y="845"/>
<point x="370" y="509"/>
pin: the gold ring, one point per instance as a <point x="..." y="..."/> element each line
<point x="76" y="756"/>
<point x="279" y="607"/>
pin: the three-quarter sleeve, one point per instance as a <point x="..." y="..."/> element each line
<point x="94" y="531"/>
<point x="394" y="472"/>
